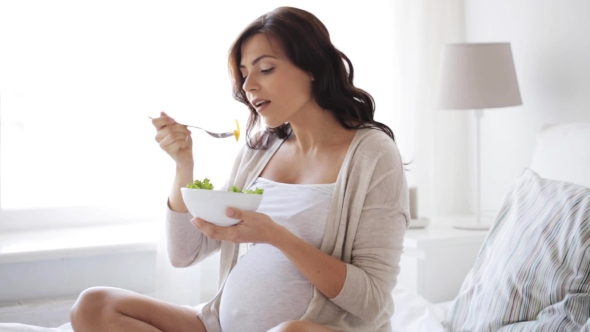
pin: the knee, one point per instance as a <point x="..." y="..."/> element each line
<point x="90" y="308"/>
<point x="289" y="326"/>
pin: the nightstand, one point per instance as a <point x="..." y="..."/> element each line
<point x="436" y="259"/>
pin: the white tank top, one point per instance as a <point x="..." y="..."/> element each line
<point x="265" y="289"/>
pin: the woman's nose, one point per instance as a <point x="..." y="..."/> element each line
<point x="250" y="84"/>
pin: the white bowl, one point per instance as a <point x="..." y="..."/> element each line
<point x="210" y="205"/>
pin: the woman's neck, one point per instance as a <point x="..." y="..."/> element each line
<point x="315" y="130"/>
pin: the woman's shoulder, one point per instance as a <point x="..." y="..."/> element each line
<point x="373" y="141"/>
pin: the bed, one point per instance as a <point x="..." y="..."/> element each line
<point x="542" y="229"/>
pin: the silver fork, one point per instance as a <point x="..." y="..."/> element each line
<point x="216" y="135"/>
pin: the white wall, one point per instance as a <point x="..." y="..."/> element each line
<point x="68" y="277"/>
<point x="551" y="49"/>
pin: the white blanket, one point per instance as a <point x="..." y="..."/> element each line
<point x="413" y="313"/>
<point x="15" y="327"/>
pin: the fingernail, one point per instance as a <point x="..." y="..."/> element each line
<point x="230" y="212"/>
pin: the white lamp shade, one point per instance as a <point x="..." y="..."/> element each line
<point x="477" y="76"/>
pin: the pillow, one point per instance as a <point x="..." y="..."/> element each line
<point x="533" y="270"/>
<point x="562" y="152"/>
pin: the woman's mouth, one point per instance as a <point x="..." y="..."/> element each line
<point x="260" y="106"/>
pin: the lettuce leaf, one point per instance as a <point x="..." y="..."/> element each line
<point x="198" y="184"/>
<point x="257" y="191"/>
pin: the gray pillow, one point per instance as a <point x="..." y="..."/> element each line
<point x="533" y="270"/>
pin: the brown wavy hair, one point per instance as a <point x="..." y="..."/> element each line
<point x="306" y="42"/>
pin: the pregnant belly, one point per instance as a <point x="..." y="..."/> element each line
<point x="263" y="290"/>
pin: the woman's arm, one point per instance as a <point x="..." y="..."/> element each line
<point x="374" y="251"/>
<point x="325" y="272"/>
<point x="186" y="245"/>
<point x="363" y="287"/>
<point x="184" y="176"/>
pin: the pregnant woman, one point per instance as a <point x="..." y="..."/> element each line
<point x="326" y="241"/>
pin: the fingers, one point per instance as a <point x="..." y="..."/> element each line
<point x="206" y="228"/>
<point x="216" y="232"/>
<point x="236" y="213"/>
<point x="169" y="132"/>
<point x="171" y="146"/>
<point x="163" y="121"/>
<point x="175" y="139"/>
<point x="176" y="131"/>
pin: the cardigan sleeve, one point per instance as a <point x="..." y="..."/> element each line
<point x="378" y="242"/>
<point x="186" y="245"/>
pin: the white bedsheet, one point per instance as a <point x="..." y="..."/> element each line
<point x="413" y="313"/>
<point x="15" y="327"/>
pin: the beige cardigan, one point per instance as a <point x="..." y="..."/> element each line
<point x="365" y="229"/>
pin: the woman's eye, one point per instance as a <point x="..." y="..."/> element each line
<point x="264" y="71"/>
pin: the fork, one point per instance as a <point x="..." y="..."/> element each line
<point x="216" y="135"/>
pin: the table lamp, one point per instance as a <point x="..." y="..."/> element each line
<point x="476" y="76"/>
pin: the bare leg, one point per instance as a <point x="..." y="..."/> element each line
<point x="102" y="309"/>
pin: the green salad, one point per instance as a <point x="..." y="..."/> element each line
<point x="256" y="191"/>
<point x="206" y="184"/>
<point x="198" y="184"/>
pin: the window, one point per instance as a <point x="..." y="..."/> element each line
<point x="79" y="79"/>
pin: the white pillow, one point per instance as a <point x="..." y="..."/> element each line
<point x="562" y="153"/>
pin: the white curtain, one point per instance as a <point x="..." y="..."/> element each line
<point x="433" y="140"/>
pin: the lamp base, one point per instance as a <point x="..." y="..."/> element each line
<point x="472" y="224"/>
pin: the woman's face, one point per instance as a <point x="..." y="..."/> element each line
<point x="275" y="87"/>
